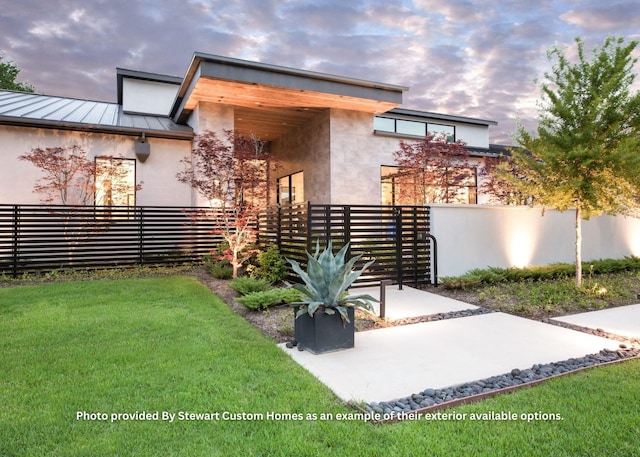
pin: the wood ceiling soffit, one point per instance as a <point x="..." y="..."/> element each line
<point x="255" y="95"/>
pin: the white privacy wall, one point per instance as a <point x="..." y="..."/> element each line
<point x="479" y="236"/>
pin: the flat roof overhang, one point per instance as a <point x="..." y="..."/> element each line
<point x="269" y="99"/>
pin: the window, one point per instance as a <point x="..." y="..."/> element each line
<point x="414" y="128"/>
<point x="384" y="124"/>
<point x="291" y="189"/>
<point x="411" y="127"/>
<point x="115" y="182"/>
<point x="448" y="131"/>
<point x="402" y="186"/>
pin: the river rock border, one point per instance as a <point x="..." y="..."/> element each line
<point x="596" y="332"/>
<point x="440" y="316"/>
<point x="431" y="399"/>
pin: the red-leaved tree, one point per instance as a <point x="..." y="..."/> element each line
<point x="70" y="178"/>
<point x="232" y="173"/>
<point x="499" y="190"/>
<point x="432" y="170"/>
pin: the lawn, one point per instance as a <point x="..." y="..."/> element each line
<point x="169" y="345"/>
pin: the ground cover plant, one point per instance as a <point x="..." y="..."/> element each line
<point x="169" y="344"/>
<point x="548" y="291"/>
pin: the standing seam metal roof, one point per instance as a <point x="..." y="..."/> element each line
<point x="23" y="108"/>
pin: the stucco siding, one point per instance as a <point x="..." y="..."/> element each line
<point x="159" y="187"/>
<point x="148" y="96"/>
<point x="476" y="136"/>
<point x="479" y="236"/>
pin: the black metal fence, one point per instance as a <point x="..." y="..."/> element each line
<point x="48" y="237"/>
<point x="38" y="237"/>
<point x="398" y="238"/>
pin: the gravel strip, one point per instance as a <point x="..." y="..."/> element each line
<point x="591" y="331"/>
<point x="431" y="397"/>
<point x="439" y="316"/>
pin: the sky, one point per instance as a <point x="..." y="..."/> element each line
<point x="459" y="57"/>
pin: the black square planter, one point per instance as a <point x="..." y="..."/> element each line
<point x="324" y="332"/>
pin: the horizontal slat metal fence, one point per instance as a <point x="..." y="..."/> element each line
<point x="398" y="238"/>
<point x="37" y="237"/>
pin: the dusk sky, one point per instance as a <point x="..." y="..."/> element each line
<point x="459" y="57"/>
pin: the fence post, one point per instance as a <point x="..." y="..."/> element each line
<point x="279" y="227"/>
<point x="327" y="224"/>
<point x="15" y="246"/>
<point x="415" y="238"/>
<point x="347" y="229"/>
<point x="308" y="226"/>
<point x="398" y="213"/>
<point x="139" y="211"/>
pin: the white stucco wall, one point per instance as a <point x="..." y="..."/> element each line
<point x="476" y="136"/>
<point x="214" y="117"/>
<point x="478" y="236"/>
<point x="150" y="97"/>
<point x="160" y="187"/>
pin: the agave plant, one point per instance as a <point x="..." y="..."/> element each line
<point x="326" y="282"/>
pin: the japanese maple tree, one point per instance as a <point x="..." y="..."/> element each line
<point x="499" y="190"/>
<point x="69" y="178"/>
<point x="431" y="170"/>
<point x="232" y="173"/>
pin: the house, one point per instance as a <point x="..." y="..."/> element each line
<point x="334" y="136"/>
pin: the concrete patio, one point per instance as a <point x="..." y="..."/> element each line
<point x="395" y="362"/>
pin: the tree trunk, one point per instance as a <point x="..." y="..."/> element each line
<point x="578" y="247"/>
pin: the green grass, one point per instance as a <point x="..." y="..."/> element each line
<point x="168" y="344"/>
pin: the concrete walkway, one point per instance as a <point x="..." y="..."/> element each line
<point x="622" y="321"/>
<point x="395" y="362"/>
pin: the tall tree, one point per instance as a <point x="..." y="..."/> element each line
<point x="8" y="75"/>
<point x="432" y="170"/>
<point x="232" y="173"/>
<point x="585" y="154"/>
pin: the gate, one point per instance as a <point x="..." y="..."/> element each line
<point x="398" y="238"/>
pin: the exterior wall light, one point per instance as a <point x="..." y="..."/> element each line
<point x="142" y="148"/>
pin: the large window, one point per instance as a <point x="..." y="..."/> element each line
<point x="407" y="186"/>
<point x="115" y="182"/>
<point x="413" y="128"/>
<point x="291" y="188"/>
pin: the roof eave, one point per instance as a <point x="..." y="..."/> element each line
<point x="243" y="71"/>
<point x="440" y="116"/>
<point x="95" y="128"/>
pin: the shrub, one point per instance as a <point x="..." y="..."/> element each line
<point x="267" y="298"/>
<point x="220" y="269"/>
<point x="245" y="285"/>
<point x="494" y="275"/>
<point x="460" y="282"/>
<point x="271" y="266"/>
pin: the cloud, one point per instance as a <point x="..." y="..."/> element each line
<point x="615" y="18"/>
<point x="472" y="58"/>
